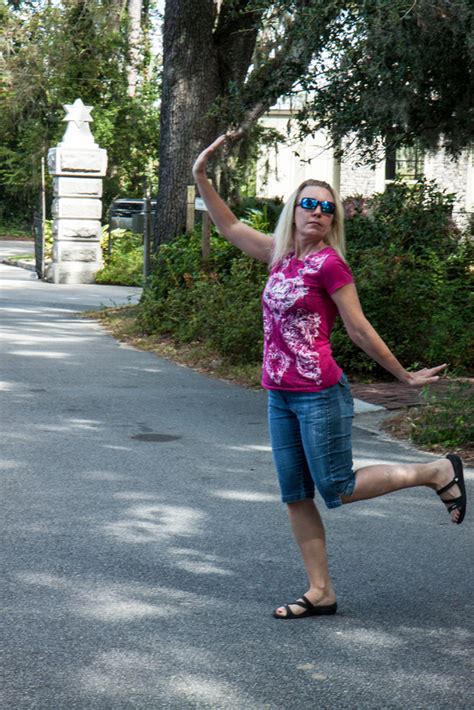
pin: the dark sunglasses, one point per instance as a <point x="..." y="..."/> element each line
<point x="309" y="203"/>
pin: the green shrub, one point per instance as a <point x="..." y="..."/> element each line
<point x="14" y="227"/>
<point x="124" y="265"/>
<point x="48" y="239"/>
<point x="260" y="213"/>
<point x="233" y="320"/>
<point x="420" y="307"/>
<point x="405" y="218"/>
<point x="412" y="269"/>
<point x="217" y="303"/>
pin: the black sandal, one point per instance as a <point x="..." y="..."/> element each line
<point x="460" y="502"/>
<point x="309" y="609"/>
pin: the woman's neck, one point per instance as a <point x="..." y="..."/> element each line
<point x="303" y="249"/>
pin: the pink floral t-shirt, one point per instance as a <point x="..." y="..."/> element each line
<point x="298" y="315"/>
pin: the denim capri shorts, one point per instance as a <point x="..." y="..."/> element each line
<point x="311" y="436"/>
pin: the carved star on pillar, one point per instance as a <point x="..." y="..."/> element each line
<point x="78" y="112"/>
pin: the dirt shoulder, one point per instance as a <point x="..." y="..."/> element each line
<point x="400" y="425"/>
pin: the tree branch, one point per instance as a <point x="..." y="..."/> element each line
<point x="304" y="37"/>
<point x="235" y="37"/>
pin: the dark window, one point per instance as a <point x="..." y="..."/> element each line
<point x="390" y="164"/>
<point x="410" y="163"/>
<point x="405" y="163"/>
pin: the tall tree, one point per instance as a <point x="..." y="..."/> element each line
<point x="50" y="54"/>
<point x="134" y="44"/>
<point x="208" y="49"/>
<point x="400" y="70"/>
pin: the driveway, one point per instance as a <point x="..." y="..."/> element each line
<point x="144" y="545"/>
<point x="15" y="247"/>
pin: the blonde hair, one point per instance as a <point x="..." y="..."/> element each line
<point x="284" y="241"/>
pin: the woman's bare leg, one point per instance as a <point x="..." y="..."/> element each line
<point x="374" y="481"/>
<point x="371" y="482"/>
<point x="308" y="530"/>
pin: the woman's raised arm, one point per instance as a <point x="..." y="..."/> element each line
<point x="249" y="240"/>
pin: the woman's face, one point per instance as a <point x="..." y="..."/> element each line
<point x="312" y="225"/>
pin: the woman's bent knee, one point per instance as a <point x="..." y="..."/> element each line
<point x="332" y="491"/>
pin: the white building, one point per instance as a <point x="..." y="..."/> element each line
<point x="284" y="167"/>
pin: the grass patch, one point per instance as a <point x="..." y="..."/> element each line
<point x="441" y="424"/>
<point x="21" y="257"/>
<point x="123" y="323"/>
<point x="448" y="421"/>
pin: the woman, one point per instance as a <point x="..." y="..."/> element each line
<point x="310" y="407"/>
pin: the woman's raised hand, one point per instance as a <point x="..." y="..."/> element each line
<point x="200" y="164"/>
<point x="424" y="376"/>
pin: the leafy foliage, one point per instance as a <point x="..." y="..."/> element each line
<point x="411" y="266"/>
<point x="260" y="213"/>
<point x="397" y="70"/>
<point x="413" y="273"/>
<point x="50" y="55"/>
<point x="14" y="229"/>
<point x="447" y="421"/>
<point x="219" y="304"/>
<point x="124" y="264"/>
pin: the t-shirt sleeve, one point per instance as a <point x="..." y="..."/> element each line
<point x="335" y="274"/>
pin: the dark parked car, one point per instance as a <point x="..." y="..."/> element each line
<point x="127" y="213"/>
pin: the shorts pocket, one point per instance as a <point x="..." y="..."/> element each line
<point x="344" y="388"/>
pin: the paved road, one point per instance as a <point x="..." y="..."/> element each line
<point x="11" y="249"/>
<point x="144" y="546"/>
<point x="15" y="247"/>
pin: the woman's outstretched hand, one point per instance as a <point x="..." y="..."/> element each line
<point x="424" y="376"/>
<point x="200" y="164"/>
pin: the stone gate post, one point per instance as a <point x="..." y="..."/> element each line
<point x="78" y="166"/>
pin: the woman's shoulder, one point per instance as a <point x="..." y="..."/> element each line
<point x="331" y="257"/>
<point x="332" y="253"/>
<point x="335" y="271"/>
<point x="327" y="255"/>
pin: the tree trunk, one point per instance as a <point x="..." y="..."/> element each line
<point x="207" y="48"/>
<point x="191" y="84"/>
<point x="134" y="35"/>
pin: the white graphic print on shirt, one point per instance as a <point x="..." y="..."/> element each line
<point x="281" y="293"/>
<point x="276" y="363"/>
<point x="298" y="330"/>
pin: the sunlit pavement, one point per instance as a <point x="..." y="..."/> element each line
<point x="144" y="545"/>
<point x="10" y="247"/>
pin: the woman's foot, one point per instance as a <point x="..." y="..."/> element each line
<point x="446" y="471"/>
<point x="323" y="602"/>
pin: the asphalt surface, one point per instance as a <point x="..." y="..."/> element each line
<point x="15" y="247"/>
<point x="144" y="546"/>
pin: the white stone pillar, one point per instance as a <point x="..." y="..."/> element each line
<point x="78" y="165"/>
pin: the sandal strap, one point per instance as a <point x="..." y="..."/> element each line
<point x="289" y="613"/>
<point x="448" y="486"/>
<point x="307" y="603"/>
<point x="454" y="504"/>
<point x="303" y="604"/>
